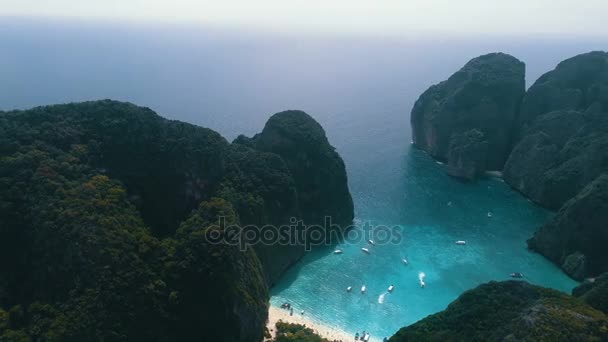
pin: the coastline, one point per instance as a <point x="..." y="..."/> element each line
<point x="326" y="331"/>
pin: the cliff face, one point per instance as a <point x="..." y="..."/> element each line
<point x="576" y="238"/>
<point x="319" y="181"/>
<point x="109" y="221"/>
<point x="576" y="84"/>
<point x="483" y="96"/>
<point x="318" y="170"/>
<point x="563" y="132"/>
<point x="513" y="311"/>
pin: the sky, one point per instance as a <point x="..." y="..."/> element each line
<point x="504" y="17"/>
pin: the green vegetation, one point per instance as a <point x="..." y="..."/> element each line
<point x="510" y="310"/>
<point x="104" y="211"/>
<point x="594" y="292"/>
<point x="290" y="332"/>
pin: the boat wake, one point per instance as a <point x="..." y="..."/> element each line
<point x="381" y="298"/>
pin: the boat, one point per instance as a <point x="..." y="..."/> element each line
<point x="391" y="288"/>
<point x="338" y="251"/>
<point x="348" y="289"/>
<point x="461" y="242"/>
<point x="371" y="242"/>
<point x="489" y="214"/>
<point x="516" y="275"/>
<point x="366" y="337"/>
<point x="365" y="250"/>
<point x="404" y="261"/>
<point x="363" y="289"/>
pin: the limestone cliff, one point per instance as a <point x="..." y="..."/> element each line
<point x="576" y="238"/>
<point x="483" y="96"/>
<point x="562" y="132"/>
<point x="318" y="182"/>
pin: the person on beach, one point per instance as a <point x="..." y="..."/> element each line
<point x="302" y="312"/>
<point x="291" y="312"/>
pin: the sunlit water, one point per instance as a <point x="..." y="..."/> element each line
<point x="361" y="90"/>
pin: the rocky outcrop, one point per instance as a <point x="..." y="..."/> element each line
<point x="510" y="311"/>
<point x="562" y="132"/>
<point x="594" y="291"/>
<point x="575" y="84"/>
<point x="319" y="183"/>
<point x="483" y="96"/>
<point x="318" y="170"/>
<point x="576" y="238"/>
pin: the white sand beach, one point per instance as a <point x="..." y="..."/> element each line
<point x="328" y="332"/>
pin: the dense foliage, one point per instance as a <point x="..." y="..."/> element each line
<point x="594" y="292"/>
<point x="290" y="332"/>
<point x="104" y="212"/>
<point x="511" y="310"/>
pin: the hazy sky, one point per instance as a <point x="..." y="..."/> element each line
<point x="582" y="17"/>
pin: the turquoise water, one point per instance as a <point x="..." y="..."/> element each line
<point x="410" y="190"/>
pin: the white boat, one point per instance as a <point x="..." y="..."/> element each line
<point x="365" y="250"/>
<point x="461" y="242"/>
<point x="371" y="242"/>
<point x="338" y="251"/>
<point x="404" y="261"/>
<point x="391" y="288"/>
<point x="489" y="214"/>
<point x="348" y="289"/>
<point x="366" y="337"/>
<point x="363" y="289"/>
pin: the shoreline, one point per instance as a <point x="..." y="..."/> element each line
<point x="326" y="331"/>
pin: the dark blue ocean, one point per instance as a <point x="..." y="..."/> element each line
<point x="361" y="89"/>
